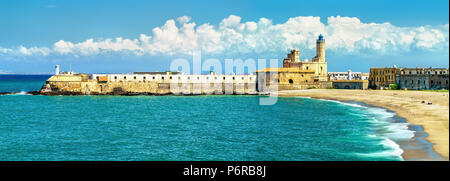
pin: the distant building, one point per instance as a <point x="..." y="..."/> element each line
<point x="158" y="73"/>
<point x="351" y="84"/>
<point x="349" y="75"/>
<point x="318" y="63"/>
<point x="365" y="76"/>
<point x="409" y="78"/>
<point x="381" y="78"/>
<point x="423" y="78"/>
<point x="295" y="73"/>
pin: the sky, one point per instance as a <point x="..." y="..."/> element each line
<point x="99" y="36"/>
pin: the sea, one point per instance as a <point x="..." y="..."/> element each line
<point x="197" y="128"/>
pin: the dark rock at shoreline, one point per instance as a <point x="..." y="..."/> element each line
<point x="67" y="93"/>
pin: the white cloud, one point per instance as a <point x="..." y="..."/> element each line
<point x="345" y="35"/>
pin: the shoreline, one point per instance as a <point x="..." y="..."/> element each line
<point x="434" y="131"/>
<point x="416" y="148"/>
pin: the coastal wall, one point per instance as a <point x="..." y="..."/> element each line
<point x="133" y="84"/>
<point x="351" y="84"/>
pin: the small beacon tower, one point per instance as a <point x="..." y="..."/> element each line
<point x="57" y="70"/>
<point x="320" y="49"/>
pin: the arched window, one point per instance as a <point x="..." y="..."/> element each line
<point x="291" y="81"/>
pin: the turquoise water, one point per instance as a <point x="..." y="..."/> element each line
<point x="191" y="128"/>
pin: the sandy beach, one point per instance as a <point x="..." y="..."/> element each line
<point x="434" y="117"/>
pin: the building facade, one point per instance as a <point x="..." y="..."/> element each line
<point x="349" y="75"/>
<point x="297" y="74"/>
<point x="423" y="78"/>
<point x="351" y="84"/>
<point x="381" y="78"/>
<point x="318" y="64"/>
<point x="149" y="84"/>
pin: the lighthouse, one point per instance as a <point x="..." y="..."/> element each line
<point x="320" y="49"/>
<point x="57" y="70"/>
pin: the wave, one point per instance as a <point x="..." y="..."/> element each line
<point x="387" y="129"/>
<point x="18" y="93"/>
<point x="394" y="150"/>
<point x="345" y="103"/>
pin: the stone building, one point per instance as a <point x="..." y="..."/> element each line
<point x="273" y="79"/>
<point x="149" y="83"/>
<point x="318" y="63"/>
<point x="351" y="84"/>
<point x="381" y="78"/>
<point x="422" y="78"/>
<point x="296" y="74"/>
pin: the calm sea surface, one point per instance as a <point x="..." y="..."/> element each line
<point x="190" y="127"/>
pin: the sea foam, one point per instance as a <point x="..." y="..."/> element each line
<point x="388" y="131"/>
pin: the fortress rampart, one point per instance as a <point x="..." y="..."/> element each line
<point x="146" y="84"/>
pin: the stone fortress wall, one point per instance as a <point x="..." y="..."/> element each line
<point x="147" y="84"/>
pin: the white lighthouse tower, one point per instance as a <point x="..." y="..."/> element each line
<point x="57" y="70"/>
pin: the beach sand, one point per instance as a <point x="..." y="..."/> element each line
<point x="434" y="118"/>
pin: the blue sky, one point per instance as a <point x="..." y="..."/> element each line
<point x="36" y="35"/>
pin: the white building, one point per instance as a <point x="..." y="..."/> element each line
<point x="349" y="75"/>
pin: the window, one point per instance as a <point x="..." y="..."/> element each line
<point x="223" y="78"/>
<point x="115" y="77"/>
<point x="153" y="77"/>
<point x="233" y="78"/>
<point x="207" y="78"/>
<point x="291" y="81"/>
<point x="162" y="78"/>
<point x="198" y="78"/>
<point x="144" y="78"/>
<point x="170" y="77"/>
<point x="242" y="78"/>
<point x="134" y="77"/>
<point x="215" y="78"/>
<point x="125" y="77"/>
